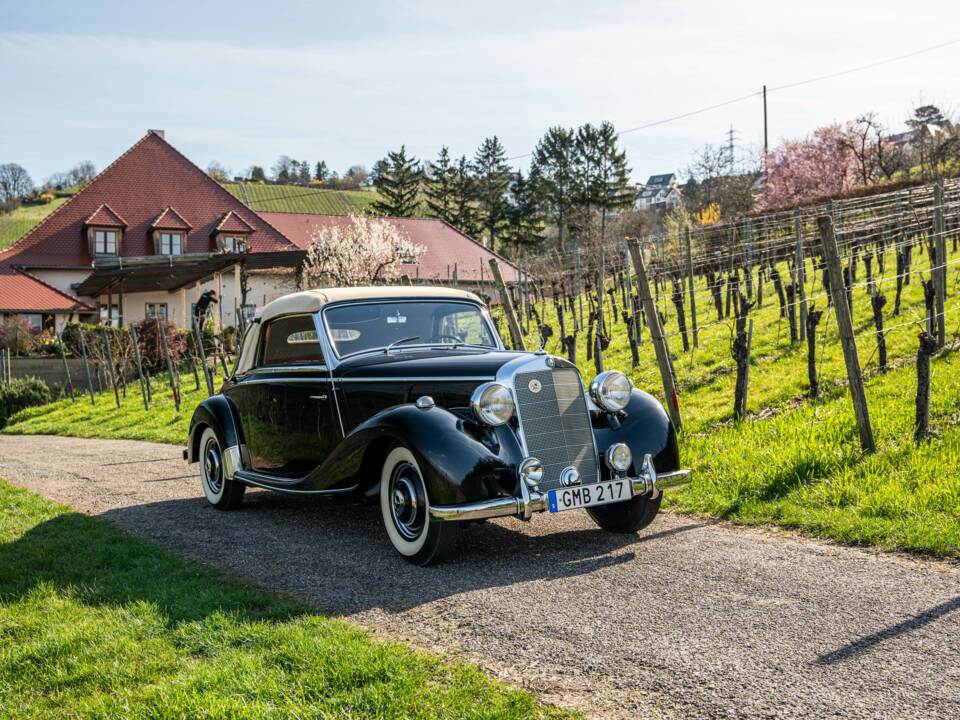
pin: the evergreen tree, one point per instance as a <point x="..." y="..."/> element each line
<point x="463" y="194"/>
<point x="399" y="186"/>
<point x="553" y="177"/>
<point x="321" y="172"/>
<point x="524" y="227"/>
<point x="493" y="179"/>
<point x="303" y="176"/>
<point x="257" y="174"/>
<point x="603" y="171"/>
<point x="378" y="170"/>
<point x="439" y="186"/>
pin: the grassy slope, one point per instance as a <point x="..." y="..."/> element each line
<point x="14" y="225"/>
<point x="293" y="198"/>
<point x="97" y="624"/>
<point x="800" y="468"/>
<point x="803" y="467"/>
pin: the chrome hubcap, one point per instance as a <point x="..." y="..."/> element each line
<point x="407" y="501"/>
<point x="212" y="466"/>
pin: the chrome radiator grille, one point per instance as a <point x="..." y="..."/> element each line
<point x="556" y="423"/>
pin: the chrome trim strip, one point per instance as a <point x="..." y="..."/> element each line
<point x="276" y="369"/>
<point x="432" y="378"/>
<point x="258" y="381"/>
<point x="251" y="477"/>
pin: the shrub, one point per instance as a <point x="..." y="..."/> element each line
<point x="22" y="393"/>
<point x="151" y="349"/>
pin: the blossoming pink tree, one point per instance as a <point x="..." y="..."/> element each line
<point x="360" y="251"/>
<point x="820" y="164"/>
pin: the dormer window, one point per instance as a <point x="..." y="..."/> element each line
<point x="104" y="230"/>
<point x="233" y="243"/>
<point x="171" y="243"/>
<point x="105" y="242"/>
<point x="170" y="232"/>
<point x="231" y="234"/>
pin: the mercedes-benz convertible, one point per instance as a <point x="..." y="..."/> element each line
<point x="407" y="396"/>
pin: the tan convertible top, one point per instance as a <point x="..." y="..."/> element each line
<point x="310" y="301"/>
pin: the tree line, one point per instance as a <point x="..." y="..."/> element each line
<point x="576" y="180"/>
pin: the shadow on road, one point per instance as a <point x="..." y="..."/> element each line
<point x="863" y="644"/>
<point x="336" y="552"/>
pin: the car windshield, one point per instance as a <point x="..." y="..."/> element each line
<point x="373" y="326"/>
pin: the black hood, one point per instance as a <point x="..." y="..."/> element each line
<point x="467" y="363"/>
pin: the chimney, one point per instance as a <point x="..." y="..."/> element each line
<point x="158" y="132"/>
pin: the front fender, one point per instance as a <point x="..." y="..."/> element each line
<point x="645" y="427"/>
<point x="460" y="461"/>
<point x="218" y="412"/>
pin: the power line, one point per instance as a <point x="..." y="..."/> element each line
<point x="786" y="86"/>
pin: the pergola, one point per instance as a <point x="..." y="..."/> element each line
<point x="172" y="275"/>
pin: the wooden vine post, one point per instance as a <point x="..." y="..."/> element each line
<point x="693" y="299"/>
<point x="845" y="322"/>
<point x="656" y="334"/>
<point x="928" y="346"/>
<point x="113" y="376"/>
<point x="166" y="354"/>
<point x="940" y="275"/>
<point x="86" y="365"/>
<point x="203" y="357"/>
<point x="136" y="355"/>
<point x="66" y="368"/>
<point x="801" y="276"/>
<point x="515" y="335"/>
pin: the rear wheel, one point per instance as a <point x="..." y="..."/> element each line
<point x="628" y="516"/>
<point x="405" y="507"/>
<point x="221" y="492"/>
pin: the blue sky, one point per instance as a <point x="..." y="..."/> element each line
<point x="242" y="83"/>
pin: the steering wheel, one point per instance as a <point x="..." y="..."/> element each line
<point x="437" y="338"/>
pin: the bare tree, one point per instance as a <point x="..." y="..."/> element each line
<point x="714" y="178"/>
<point x="82" y="173"/>
<point x="15" y="182"/>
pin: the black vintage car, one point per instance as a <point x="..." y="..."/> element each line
<point x="407" y="395"/>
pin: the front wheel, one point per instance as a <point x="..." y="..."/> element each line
<point x="221" y="492"/>
<point x="405" y="507"/>
<point x="628" y="516"/>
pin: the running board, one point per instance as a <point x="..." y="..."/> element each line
<point x="269" y="482"/>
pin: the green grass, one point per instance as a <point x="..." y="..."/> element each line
<point x="801" y="468"/>
<point x="103" y="420"/>
<point x="293" y="198"/>
<point x="16" y="224"/>
<point x="97" y="624"/>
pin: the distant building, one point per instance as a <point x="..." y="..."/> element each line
<point x="153" y="231"/>
<point x="660" y="192"/>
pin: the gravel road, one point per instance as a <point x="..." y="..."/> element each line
<point x="687" y="619"/>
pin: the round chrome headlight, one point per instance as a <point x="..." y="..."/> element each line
<point x="611" y="390"/>
<point x="492" y="403"/>
<point x="619" y="457"/>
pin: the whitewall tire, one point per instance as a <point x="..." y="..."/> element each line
<point x="221" y="492"/>
<point x="405" y="509"/>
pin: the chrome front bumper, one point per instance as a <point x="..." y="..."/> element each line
<point x="531" y="501"/>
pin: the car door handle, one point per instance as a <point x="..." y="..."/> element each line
<point x="319" y="397"/>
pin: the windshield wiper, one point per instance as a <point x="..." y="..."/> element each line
<point x="386" y="350"/>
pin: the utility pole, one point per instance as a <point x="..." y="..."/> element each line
<point x="765" y="146"/>
<point x="730" y="146"/>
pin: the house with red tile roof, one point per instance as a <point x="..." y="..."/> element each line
<point x="153" y="231"/>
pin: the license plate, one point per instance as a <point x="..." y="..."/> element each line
<point x="589" y="495"/>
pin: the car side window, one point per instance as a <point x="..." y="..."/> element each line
<point x="290" y="340"/>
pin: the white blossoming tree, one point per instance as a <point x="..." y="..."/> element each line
<point x="359" y="252"/>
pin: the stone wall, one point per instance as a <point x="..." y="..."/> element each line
<point x="50" y="370"/>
